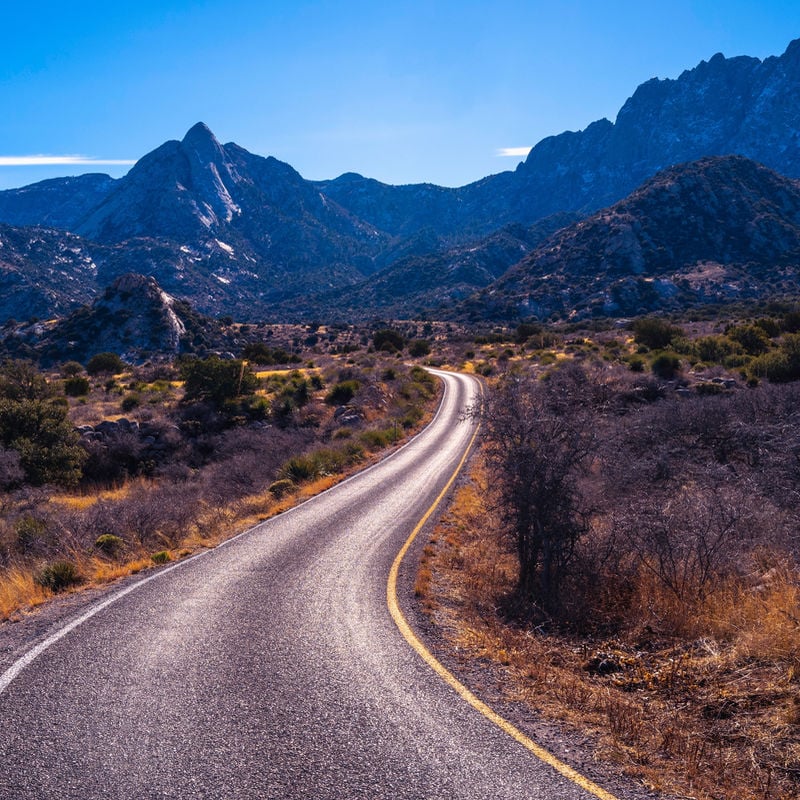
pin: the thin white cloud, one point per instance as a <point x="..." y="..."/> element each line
<point x="49" y="161"/>
<point x="516" y="152"/>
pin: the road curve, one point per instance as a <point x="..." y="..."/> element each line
<point x="269" y="668"/>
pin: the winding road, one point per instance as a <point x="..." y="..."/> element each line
<point x="270" y="667"/>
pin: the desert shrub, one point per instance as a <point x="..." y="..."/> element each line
<point x="47" y="443"/>
<point x="130" y="401"/>
<point x="161" y="557"/>
<point x="70" y="369"/>
<point x="103" y="363"/>
<point x="388" y="340"/>
<point x="58" y="576"/>
<point x="654" y="332"/>
<point x="113" y="458"/>
<point x="343" y="392"/>
<point x="714" y="349"/>
<point x="216" y="381"/>
<point x="419" y="348"/>
<point x="21" y="380"/>
<point x="778" y="366"/>
<point x="30" y="532"/>
<point x="76" y="385"/>
<point x="636" y="363"/>
<point x="377" y="439"/>
<point x="109" y="544"/>
<point x="322" y="462"/>
<point x="752" y="338"/>
<point x="281" y="488"/>
<point x="666" y="366"/>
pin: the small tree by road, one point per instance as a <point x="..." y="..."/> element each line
<point x="540" y="436"/>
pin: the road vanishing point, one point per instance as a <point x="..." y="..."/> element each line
<point x="271" y="667"/>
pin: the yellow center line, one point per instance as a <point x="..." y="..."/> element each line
<point x="450" y="679"/>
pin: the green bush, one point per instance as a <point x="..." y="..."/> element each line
<point x="105" y="363"/>
<point x="76" y="386"/>
<point x="30" y="531"/>
<point x="654" y="332"/>
<point x="46" y="441"/>
<point x="217" y="381"/>
<point x="377" y="439"/>
<point x="666" y="366"/>
<point x="419" y="348"/>
<point x="752" y="338"/>
<point x="388" y="340"/>
<point x="636" y="363"/>
<point x="71" y="368"/>
<point x="109" y="544"/>
<point x="130" y="401"/>
<point x="161" y="557"/>
<point x="58" y="576"/>
<point x="342" y="393"/>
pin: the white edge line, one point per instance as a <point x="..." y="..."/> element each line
<point x="14" y="670"/>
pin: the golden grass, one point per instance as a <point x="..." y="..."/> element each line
<point x="80" y="502"/>
<point x="712" y="713"/>
<point x="19" y="590"/>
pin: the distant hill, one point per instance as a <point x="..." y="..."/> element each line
<point x="56" y="203"/>
<point x="716" y="230"/>
<point x="431" y="283"/>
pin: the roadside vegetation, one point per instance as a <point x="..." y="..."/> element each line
<point x="625" y="552"/>
<point x="107" y="468"/>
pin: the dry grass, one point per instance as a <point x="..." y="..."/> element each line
<point x="18" y="589"/>
<point x="711" y="713"/>
<point x="80" y="502"/>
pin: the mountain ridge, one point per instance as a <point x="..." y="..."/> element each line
<point x="239" y="233"/>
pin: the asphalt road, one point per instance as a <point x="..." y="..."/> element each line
<point x="269" y="668"/>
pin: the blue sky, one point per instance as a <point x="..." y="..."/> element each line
<point x="403" y="92"/>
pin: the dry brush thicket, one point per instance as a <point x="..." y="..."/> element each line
<point x="628" y="557"/>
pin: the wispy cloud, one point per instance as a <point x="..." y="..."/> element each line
<point x="516" y="152"/>
<point x="49" y="161"/>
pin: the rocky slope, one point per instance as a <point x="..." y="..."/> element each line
<point x="430" y="283"/>
<point x="56" y="203"/>
<point x="44" y="272"/>
<point x="716" y="230"/>
<point x="133" y="317"/>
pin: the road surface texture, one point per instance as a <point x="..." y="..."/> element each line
<point x="269" y="667"/>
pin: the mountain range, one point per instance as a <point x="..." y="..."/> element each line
<point x="581" y="227"/>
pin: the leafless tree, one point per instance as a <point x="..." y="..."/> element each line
<point x="540" y="436"/>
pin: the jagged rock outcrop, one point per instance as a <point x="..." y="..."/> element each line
<point x="725" y="106"/>
<point x="133" y="317"/>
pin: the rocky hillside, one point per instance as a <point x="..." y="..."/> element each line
<point x="44" y="273"/>
<point x="133" y="317"/>
<point x="430" y="283"/>
<point x="716" y="230"/>
<point x="56" y="203"/>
